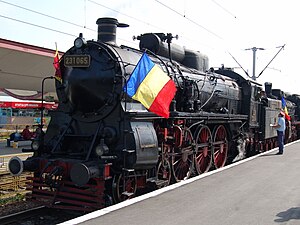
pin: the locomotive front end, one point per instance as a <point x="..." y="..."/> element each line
<point x="91" y="70"/>
<point x="91" y="143"/>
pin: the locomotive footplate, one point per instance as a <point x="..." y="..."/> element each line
<point x="209" y="117"/>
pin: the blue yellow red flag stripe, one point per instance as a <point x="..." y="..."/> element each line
<point x="151" y="86"/>
<point x="283" y="104"/>
<point x="57" y="66"/>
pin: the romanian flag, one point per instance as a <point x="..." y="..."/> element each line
<point x="283" y="104"/>
<point x="151" y="86"/>
<point x="57" y="66"/>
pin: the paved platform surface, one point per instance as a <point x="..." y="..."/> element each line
<point x="263" y="190"/>
<point x="10" y="150"/>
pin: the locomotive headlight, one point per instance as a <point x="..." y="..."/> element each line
<point x="79" y="42"/>
<point x="35" y="145"/>
<point x="99" y="151"/>
<point x="102" y="148"/>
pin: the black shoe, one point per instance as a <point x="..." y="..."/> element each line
<point x="279" y="153"/>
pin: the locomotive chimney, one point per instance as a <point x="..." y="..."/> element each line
<point x="107" y="28"/>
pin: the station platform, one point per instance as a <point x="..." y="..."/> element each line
<point x="261" y="190"/>
<point x="4" y="150"/>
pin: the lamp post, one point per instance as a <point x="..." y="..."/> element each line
<point x="254" y="49"/>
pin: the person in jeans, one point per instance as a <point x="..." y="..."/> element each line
<point x="280" y="127"/>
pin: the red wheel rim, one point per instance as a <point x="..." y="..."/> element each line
<point x="220" y="146"/>
<point x="182" y="158"/>
<point x="203" y="155"/>
<point x="164" y="172"/>
<point x="124" y="187"/>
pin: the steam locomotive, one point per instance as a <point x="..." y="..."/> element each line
<point x="102" y="147"/>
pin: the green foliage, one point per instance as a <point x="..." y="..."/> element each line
<point x="17" y="198"/>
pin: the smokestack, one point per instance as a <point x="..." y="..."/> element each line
<point x="107" y="29"/>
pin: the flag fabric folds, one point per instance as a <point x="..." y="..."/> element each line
<point x="57" y="66"/>
<point x="151" y="86"/>
<point x="283" y="104"/>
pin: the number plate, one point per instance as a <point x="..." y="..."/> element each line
<point x="77" y="60"/>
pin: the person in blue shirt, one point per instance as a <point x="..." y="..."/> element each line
<point x="280" y="127"/>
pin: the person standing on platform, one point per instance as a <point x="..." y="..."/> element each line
<point x="280" y="127"/>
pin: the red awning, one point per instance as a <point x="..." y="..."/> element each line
<point x="28" y="105"/>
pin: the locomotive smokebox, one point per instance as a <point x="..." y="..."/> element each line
<point x="107" y="29"/>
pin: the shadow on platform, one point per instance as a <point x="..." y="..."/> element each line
<point x="290" y="214"/>
<point x="271" y="154"/>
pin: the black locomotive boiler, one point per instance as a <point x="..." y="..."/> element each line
<point x="101" y="147"/>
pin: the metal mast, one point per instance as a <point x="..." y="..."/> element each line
<point x="254" y="49"/>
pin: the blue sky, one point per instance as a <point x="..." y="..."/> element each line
<point x="213" y="27"/>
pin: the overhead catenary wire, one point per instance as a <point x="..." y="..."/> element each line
<point x="65" y="21"/>
<point x="83" y="26"/>
<point x="49" y="16"/>
<point x="124" y="14"/>
<point x="226" y="10"/>
<point x="190" y="20"/>
<point x="281" y="48"/>
<point x="144" y="22"/>
<point x="46" y="15"/>
<point x="39" y="26"/>
<point x="46" y="28"/>
<point x="83" y="10"/>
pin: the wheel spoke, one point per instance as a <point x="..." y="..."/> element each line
<point x="178" y="161"/>
<point x="124" y="187"/>
<point x="164" y="172"/>
<point x="203" y="155"/>
<point x="182" y="158"/>
<point x="221" y="148"/>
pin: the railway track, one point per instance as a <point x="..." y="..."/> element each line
<point x="39" y="215"/>
<point x="21" y="216"/>
<point x="10" y="186"/>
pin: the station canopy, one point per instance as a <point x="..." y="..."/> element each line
<point x="10" y="102"/>
<point x="23" y="67"/>
<point x="27" y="105"/>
